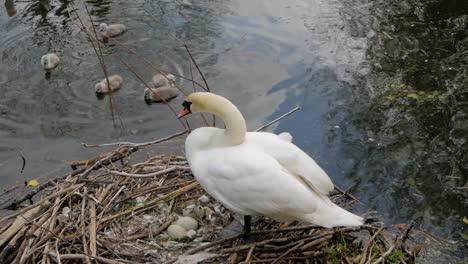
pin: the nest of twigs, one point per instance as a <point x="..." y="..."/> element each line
<point x="107" y="212"/>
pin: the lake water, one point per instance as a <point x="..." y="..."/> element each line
<point x="364" y="72"/>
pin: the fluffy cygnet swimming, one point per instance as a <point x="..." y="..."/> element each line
<point x="50" y="61"/>
<point x="112" y="30"/>
<point x="115" y="82"/>
<point x="159" y="80"/>
<point x="167" y="92"/>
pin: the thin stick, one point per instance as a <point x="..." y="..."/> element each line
<point x="149" y="205"/>
<point x="82" y="257"/>
<point x="212" y="244"/>
<point x="143" y="144"/>
<point x="98" y="52"/>
<point x="278" y="119"/>
<point x="207" y="88"/>
<point x="53" y="195"/>
<point x="92" y="227"/>
<point x="24" y="161"/>
<point x="288" y="252"/>
<point x="161" y="229"/>
<point x="95" y="165"/>
<point x="194" y="90"/>
<point x="153" y="174"/>
<point x="249" y="255"/>
<point x="346" y="193"/>
<point x="82" y="224"/>
<point x="109" y="203"/>
<point x="399" y="240"/>
<point x="368" y="244"/>
<point x="201" y="74"/>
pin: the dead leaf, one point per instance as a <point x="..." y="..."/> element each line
<point x="32" y="183"/>
<point x="400" y="226"/>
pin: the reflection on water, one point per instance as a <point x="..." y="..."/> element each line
<point x="418" y="119"/>
<point x="10" y="7"/>
<point x="369" y="115"/>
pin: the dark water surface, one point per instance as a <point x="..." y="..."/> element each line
<point x="383" y="89"/>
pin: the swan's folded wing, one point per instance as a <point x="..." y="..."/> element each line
<point x="293" y="159"/>
<point x="249" y="181"/>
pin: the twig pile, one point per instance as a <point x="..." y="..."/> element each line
<point x="111" y="213"/>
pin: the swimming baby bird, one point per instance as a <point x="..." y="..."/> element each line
<point x="160" y="80"/>
<point x="160" y="87"/>
<point x="49" y="62"/>
<point x="154" y="95"/>
<point x="112" y="30"/>
<point x="102" y="87"/>
<point x="258" y="173"/>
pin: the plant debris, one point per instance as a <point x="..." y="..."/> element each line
<point x="108" y="212"/>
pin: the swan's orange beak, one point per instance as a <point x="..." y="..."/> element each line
<point x="184" y="112"/>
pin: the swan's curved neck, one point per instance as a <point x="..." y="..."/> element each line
<point x="235" y="126"/>
<point x="235" y="123"/>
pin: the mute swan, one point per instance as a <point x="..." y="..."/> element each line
<point x="115" y="82"/>
<point x="258" y="173"/>
<point x="112" y="30"/>
<point x="50" y="61"/>
<point x="166" y="92"/>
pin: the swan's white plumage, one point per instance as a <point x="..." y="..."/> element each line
<point x="285" y="136"/>
<point x="262" y="174"/>
<point x="292" y="158"/>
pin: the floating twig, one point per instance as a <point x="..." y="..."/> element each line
<point x="24" y="161"/>
<point x="278" y="119"/>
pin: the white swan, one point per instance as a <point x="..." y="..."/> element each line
<point x="112" y="30"/>
<point x="50" y="61"/>
<point x="115" y="82"/>
<point x="257" y="173"/>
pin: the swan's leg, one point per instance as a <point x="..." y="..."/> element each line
<point x="247" y="220"/>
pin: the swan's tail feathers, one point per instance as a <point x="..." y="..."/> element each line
<point x="285" y="136"/>
<point x="331" y="216"/>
